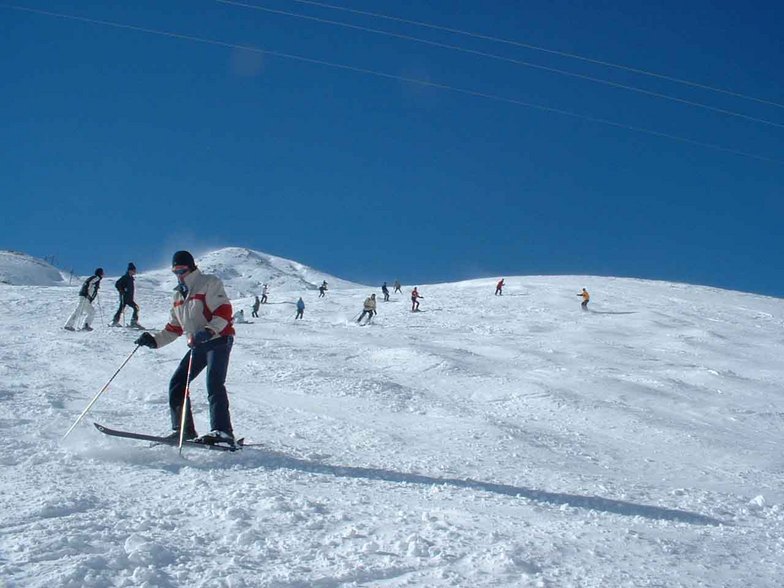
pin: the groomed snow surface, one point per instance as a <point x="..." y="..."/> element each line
<point x="485" y="441"/>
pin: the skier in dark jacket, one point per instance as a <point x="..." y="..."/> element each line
<point x="385" y="291"/>
<point x="125" y="287"/>
<point x="322" y="289"/>
<point x="256" y="304"/>
<point x="300" y="308"/>
<point x="87" y="295"/>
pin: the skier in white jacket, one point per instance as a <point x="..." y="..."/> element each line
<point x="202" y="312"/>
<point x="87" y="295"/>
<point x="368" y="308"/>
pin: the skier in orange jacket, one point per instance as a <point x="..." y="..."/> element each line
<point x="586" y="298"/>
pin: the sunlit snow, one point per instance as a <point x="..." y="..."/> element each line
<point x="486" y="441"/>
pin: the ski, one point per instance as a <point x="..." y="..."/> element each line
<point x="165" y="440"/>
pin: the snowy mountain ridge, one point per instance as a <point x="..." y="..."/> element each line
<point x="487" y="441"/>
<point x="242" y="270"/>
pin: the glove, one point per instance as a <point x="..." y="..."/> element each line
<point x="146" y="340"/>
<point x="201" y="337"/>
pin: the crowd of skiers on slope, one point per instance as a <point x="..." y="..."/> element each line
<point x="202" y="311"/>
<point x="126" y="288"/>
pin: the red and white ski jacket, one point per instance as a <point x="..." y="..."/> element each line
<point x="206" y="306"/>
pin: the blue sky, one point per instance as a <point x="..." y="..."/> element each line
<point x="121" y="145"/>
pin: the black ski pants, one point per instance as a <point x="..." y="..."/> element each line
<point x="123" y="304"/>
<point x="214" y="355"/>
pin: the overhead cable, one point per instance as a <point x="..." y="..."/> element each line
<point x="388" y="76"/>
<point x="508" y="60"/>
<point x="544" y="50"/>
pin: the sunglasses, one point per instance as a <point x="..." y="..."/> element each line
<point x="180" y="270"/>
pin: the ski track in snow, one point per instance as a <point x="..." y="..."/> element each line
<point x="487" y="441"/>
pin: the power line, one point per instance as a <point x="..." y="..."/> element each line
<point x="508" y="60"/>
<point x="544" y="50"/>
<point x="388" y="76"/>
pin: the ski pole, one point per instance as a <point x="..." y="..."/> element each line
<point x="103" y="321"/>
<point x="93" y="401"/>
<point x="185" y="401"/>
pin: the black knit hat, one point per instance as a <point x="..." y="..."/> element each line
<point x="183" y="258"/>
<point x="99" y="271"/>
<point x="131" y="267"/>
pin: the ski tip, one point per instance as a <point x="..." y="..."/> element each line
<point x="100" y="427"/>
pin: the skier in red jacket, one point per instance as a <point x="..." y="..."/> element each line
<point x="414" y="302"/>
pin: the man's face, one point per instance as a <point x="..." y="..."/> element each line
<point x="181" y="270"/>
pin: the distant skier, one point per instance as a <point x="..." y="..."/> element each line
<point x="202" y="312"/>
<point x="415" y="299"/>
<point x="586" y="298"/>
<point x="385" y="291"/>
<point x="368" y="308"/>
<point x="239" y="317"/>
<point x="499" y="287"/>
<point x="322" y="289"/>
<point x="264" y="292"/>
<point x="87" y="294"/>
<point x="256" y="303"/>
<point x="397" y="287"/>
<point x="125" y="287"/>
<point x="300" y="308"/>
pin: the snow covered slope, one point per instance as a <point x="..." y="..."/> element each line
<point x="485" y="441"/>
<point x="20" y="269"/>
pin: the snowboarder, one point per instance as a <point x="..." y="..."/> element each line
<point x="414" y="302"/>
<point x="322" y="289"/>
<point x="264" y="291"/>
<point x="87" y="294"/>
<point x="368" y="308"/>
<point x="586" y="298"/>
<point x="125" y="287"/>
<point x="499" y="288"/>
<point x="239" y="317"/>
<point x="300" y="308"/>
<point x="397" y="287"/>
<point x="256" y="303"/>
<point x="385" y="290"/>
<point x="201" y="311"/>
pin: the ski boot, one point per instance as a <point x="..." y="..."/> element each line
<point x="218" y="438"/>
<point x="86" y="327"/>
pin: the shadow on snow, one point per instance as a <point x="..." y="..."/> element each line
<point x="274" y="460"/>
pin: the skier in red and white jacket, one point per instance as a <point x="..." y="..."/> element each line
<point x="202" y="312"/>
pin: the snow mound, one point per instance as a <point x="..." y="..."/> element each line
<point x="244" y="271"/>
<point x="20" y="269"/>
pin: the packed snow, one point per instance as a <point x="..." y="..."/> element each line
<point x="488" y="440"/>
